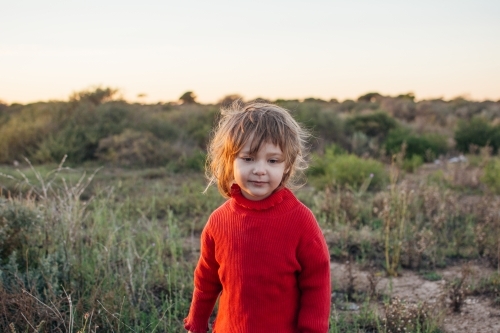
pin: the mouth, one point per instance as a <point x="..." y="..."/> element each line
<point x="257" y="182"/>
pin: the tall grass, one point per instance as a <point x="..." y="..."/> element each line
<point x="120" y="255"/>
<point x="81" y="264"/>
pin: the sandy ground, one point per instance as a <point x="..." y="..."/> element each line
<point x="477" y="315"/>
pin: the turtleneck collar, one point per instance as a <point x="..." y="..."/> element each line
<point x="274" y="199"/>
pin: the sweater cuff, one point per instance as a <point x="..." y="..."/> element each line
<point x="193" y="328"/>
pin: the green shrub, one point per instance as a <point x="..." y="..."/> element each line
<point x="159" y="126"/>
<point x="95" y="95"/>
<point x="352" y="170"/>
<point x="22" y="133"/>
<point x="323" y="123"/>
<point x="427" y="146"/>
<point x="320" y="164"/>
<point x="81" y="134"/>
<point x="412" y="164"/>
<point x="432" y="276"/>
<point x="370" y="97"/>
<point x="195" y="121"/>
<point x="347" y="105"/>
<point x="342" y="169"/>
<point x="377" y="124"/>
<point x="17" y="224"/>
<point x="192" y="162"/>
<point x="491" y="176"/>
<point x="78" y="133"/>
<point x="477" y="131"/>
<point x="132" y="148"/>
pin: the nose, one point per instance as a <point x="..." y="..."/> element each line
<point x="259" y="169"/>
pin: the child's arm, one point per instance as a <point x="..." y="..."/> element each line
<point x="314" y="284"/>
<point x="207" y="287"/>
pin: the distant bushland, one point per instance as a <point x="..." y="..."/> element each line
<point x="94" y="125"/>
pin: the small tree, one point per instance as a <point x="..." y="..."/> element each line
<point x="477" y="131"/>
<point x="230" y="99"/>
<point x="377" y="124"/>
<point x="370" y="97"/>
<point x="95" y="96"/>
<point x="188" y="98"/>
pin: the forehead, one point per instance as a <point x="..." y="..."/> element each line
<point x="266" y="147"/>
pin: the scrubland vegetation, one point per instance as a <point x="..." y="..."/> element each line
<point x="107" y="241"/>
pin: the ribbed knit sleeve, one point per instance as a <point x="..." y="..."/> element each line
<point x="207" y="286"/>
<point x="314" y="284"/>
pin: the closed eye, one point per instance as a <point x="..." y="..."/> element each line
<point x="247" y="159"/>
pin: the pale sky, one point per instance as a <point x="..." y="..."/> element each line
<point x="270" y="49"/>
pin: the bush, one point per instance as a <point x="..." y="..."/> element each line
<point x="412" y="164"/>
<point x="491" y="176"/>
<point x="320" y="164"/>
<point x="427" y="146"/>
<point x="95" y="95"/>
<point x="370" y="97"/>
<point x="342" y="169"/>
<point x="193" y="162"/>
<point x="161" y="128"/>
<point x="323" y="123"/>
<point x="22" y="133"/>
<point x="132" y="148"/>
<point x="78" y="133"/>
<point x="354" y="171"/>
<point x="377" y="124"/>
<point x="477" y="132"/>
<point x="195" y="122"/>
<point x="17" y="224"/>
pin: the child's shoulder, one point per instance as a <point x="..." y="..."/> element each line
<point x="300" y="207"/>
<point x="221" y="211"/>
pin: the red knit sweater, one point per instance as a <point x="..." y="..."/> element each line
<point x="269" y="263"/>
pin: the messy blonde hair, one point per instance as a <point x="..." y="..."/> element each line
<point x="266" y="123"/>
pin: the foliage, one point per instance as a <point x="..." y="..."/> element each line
<point x="324" y="124"/>
<point x="432" y="276"/>
<point x="347" y="105"/>
<point x="100" y="263"/>
<point x="369" y="97"/>
<point x="346" y="169"/>
<point x="230" y="99"/>
<point x="410" y="96"/>
<point x="490" y="285"/>
<point x="194" y="162"/>
<point x="150" y="218"/>
<point x="401" y="316"/>
<point x="479" y="132"/>
<point x="491" y="176"/>
<point x="427" y="146"/>
<point x="132" y="148"/>
<point x="188" y="98"/>
<point x="377" y="124"/>
<point x="412" y="164"/>
<point x="402" y="107"/>
<point x="17" y="224"/>
<point x="45" y="132"/>
<point x="22" y="133"/>
<point x="96" y="96"/>
<point x="395" y="214"/>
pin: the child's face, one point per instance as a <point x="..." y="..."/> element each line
<point x="260" y="174"/>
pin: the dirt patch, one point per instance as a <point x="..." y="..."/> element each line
<point x="477" y="315"/>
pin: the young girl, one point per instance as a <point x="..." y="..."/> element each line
<point x="262" y="251"/>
